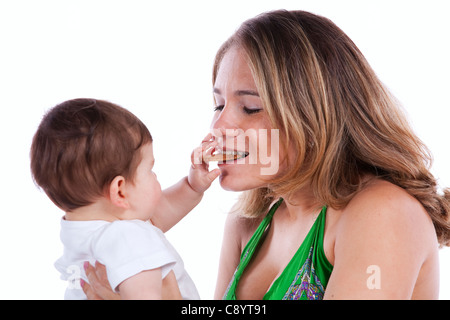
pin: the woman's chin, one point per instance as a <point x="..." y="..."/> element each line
<point x="237" y="183"/>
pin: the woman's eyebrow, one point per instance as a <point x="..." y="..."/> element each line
<point x="246" y="93"/>
<point x="239" y="92"/>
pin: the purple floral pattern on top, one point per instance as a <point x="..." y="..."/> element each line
<point x="309" y="287"/>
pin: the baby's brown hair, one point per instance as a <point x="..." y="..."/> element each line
<point x="81" y="145"/>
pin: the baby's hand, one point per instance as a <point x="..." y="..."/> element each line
<point x="200" y="178"/>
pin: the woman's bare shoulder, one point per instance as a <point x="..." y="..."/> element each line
<point x="379" y="195"/>
<point x="237" y="231"/>
<point x="390" y="211"/>
<point x="241" y="228"/>
<point x="383" y="226"/>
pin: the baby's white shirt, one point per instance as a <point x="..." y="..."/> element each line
<point x="125" y="247"/>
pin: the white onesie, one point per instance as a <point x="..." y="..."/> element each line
<point x="125" y="247"/>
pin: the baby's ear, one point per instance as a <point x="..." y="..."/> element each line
<point x="117" y="193"/>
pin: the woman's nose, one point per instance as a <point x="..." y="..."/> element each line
<point x="225" y="121"/>
<point x="225" y="126"/>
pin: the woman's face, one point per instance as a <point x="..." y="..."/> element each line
<point x="240" y="123"/>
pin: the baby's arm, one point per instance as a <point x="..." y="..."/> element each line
<point x="146" y="285"/>
<point x="99" y="288"/>
<point x="178" y="200"/>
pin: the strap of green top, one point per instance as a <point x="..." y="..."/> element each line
<point x="308" y="264"/>
<point x="306" y="275"/>
<point x="230" y="293"/>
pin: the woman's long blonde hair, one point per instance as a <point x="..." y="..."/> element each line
<point x="327" y="102"/>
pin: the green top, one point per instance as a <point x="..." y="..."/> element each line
<point x="306" y="275"/>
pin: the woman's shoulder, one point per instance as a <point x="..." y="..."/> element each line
<point x="383" y="233"/>
<point x="383" y="197"/>
<point x="241" y="228"/>
<point x="385" y="209"/>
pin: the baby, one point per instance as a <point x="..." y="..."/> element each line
<point x="94" y="160"/>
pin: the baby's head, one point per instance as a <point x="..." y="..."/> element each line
<point x="79" y="148"/>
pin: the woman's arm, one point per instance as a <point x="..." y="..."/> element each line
<point x="230" y="254"/>
<point x="383" y="238"/>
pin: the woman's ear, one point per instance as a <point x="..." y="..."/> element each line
<point x="117" y="192"/>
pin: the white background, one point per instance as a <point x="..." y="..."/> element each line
<point x="155" y="58"/>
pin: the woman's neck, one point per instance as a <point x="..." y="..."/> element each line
<point x="301" y="203"/>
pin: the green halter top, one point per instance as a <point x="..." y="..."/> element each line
<point x="306" y="275"/>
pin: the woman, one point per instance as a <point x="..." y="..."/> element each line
<point x="352" y="211"/>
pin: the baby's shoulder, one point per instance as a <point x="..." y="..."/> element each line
<point x="121" y="226"/>
<point x="127" y="234"/>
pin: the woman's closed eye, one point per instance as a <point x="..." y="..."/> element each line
<point x="245" y="109"/>
<point x="218" y="108"/>
<point x="248" y="110"/>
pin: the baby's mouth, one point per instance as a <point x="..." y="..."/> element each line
<point x="227" y="155"/>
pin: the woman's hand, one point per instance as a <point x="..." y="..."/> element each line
<point x="98" y="287"/>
